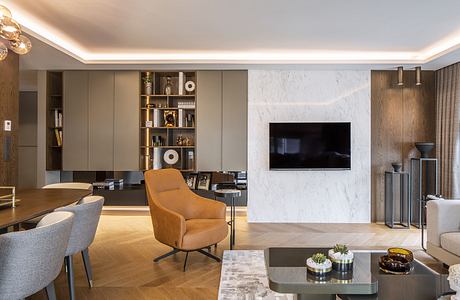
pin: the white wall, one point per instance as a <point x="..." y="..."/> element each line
<point x="308" y="196"/>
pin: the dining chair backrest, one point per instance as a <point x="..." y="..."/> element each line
<point x="30" y="260"/>
<point x="70" y="185"/>
<point x="87" y="214"/>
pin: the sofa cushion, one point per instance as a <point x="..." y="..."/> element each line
<point x="450" y="241"/>
<point x="201" y="233"/>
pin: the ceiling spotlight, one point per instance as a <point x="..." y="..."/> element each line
<point x="400" y="76"/>
<point x="418" y="75"/>
<point x="3" y="51"/>
<point x="22" y="45"/>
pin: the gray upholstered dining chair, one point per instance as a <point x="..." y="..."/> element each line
<point x="31" y="260"/>
<point x="87" y="213"/>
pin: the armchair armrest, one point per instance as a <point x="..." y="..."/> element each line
<point x="168" y="226"/>
<point x="204" y="208"/>
<point x="442" y="216"/>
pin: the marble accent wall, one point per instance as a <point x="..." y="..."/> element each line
<point x="309" y="196"/>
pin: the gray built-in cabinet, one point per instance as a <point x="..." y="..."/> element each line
<point x="222" y="120"/>
<point x="101" y="118"/>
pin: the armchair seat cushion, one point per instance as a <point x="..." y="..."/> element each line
<point x="450" y="241"/>
<point x="201" y="233"/>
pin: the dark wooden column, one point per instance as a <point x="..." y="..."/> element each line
<point x="9" y="110"/>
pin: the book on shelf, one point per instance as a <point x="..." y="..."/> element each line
<point x="181" y="118"/>
<point x="156" y="117"/>
<point x="58" y="134"/>
<point x="186" y="104"/>
<point x="57" y="118"/>
<point x="181" y="83"/>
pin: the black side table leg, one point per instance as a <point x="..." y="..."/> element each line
<point x="233" y="221"/>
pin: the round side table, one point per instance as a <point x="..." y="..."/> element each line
<point x="230" y="194"/>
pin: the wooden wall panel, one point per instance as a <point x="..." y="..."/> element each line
<point x="9" y="110"/>
<point x="401" y="116"/>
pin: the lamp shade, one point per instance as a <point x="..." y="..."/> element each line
<point x="9" y="29"/>
<point x="3" y="51"/>
<point x="4" y="12"/>
<point x="21" y="46"/>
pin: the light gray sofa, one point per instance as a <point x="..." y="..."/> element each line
<point x="443" y="230"/>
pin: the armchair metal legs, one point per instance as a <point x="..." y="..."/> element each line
<point x="174" y="251"/>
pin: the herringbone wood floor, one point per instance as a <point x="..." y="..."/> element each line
<point x="124" y="247"/>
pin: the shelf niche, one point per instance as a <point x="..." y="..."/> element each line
<point x="155" y="137"/>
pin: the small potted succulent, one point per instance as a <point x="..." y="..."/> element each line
<point x="148" y="84"/>
<point x="318" y="264"/>
<point x="341" y="258"/>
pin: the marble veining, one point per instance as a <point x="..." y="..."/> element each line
<point x="308" y="196"/>
<point x="244" y="276"/>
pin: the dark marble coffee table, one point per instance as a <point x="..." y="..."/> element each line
<point x="287" y="274"/>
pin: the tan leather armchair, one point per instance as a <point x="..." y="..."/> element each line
<point x="181" y="219"/>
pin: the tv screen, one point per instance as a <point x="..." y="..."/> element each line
<point x="310" y="146"/>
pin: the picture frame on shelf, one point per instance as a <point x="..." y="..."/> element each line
<point x="191" y="180"/>
<point x="204" y="181"/>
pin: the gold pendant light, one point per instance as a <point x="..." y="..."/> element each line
<point x="21" y="46"/>
<point x="10" y="31"/>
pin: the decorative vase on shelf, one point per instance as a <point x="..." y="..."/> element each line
<point x="168" y="86"/>
<point x="454" y="281"/>
<point x="148" y="88"/>
<point x="148" y="84"/>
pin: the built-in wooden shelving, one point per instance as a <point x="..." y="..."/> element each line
<point x="155" y="106"/>
<point x="54" y="119"/>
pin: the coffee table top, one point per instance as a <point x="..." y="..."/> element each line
<point x="287" y="273"/>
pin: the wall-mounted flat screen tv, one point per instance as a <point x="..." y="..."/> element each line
<point x="310" y="146"/>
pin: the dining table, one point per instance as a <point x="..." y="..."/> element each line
<point x="32" y="203"/>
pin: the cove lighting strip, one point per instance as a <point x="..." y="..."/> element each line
<point x="58" y="40"/>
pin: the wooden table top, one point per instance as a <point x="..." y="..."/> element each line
<point x="37" y="202"/>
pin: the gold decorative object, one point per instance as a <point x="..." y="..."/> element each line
<point x="170" y="117"/>
<point x="11" y="30"/>
<point x="8" y="200"/>
<point x="398" y="261"/>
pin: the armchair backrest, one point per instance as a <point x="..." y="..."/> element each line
<point x="166" y="188"/>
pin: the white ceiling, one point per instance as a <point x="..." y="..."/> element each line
<point x="239" y="32"/>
